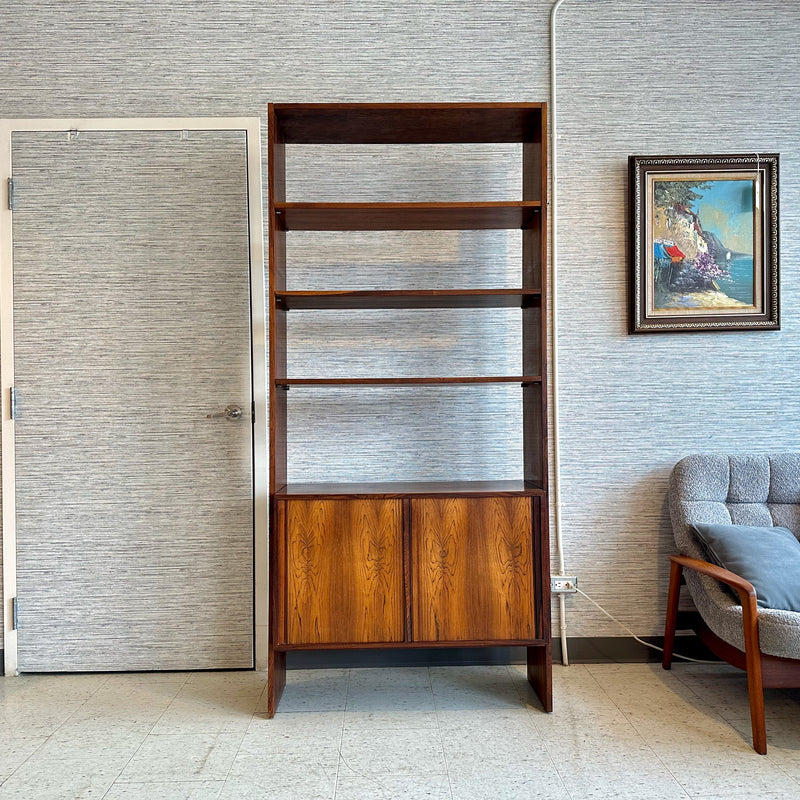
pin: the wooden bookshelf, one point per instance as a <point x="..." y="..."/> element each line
<point x="356" y="565"/>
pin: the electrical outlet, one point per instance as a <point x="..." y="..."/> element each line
<point x="562" y="583"/>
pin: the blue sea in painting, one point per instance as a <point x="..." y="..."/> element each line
<point x="740" y="287"/>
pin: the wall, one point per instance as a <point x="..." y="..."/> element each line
<point x="653" y="78"/>
<point x="635" y="77"/>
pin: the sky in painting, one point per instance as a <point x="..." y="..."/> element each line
<point x="726" y="208"/>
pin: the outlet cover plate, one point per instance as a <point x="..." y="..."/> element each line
<point x="563" y="583"/>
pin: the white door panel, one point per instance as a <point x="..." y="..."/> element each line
<point x="134" y="509"/>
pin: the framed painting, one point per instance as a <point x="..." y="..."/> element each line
<point x="704" y="250"/>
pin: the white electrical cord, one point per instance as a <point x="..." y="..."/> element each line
<point x="641" y="641"/>
<point x="562" y="609"/>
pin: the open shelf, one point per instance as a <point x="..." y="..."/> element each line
<point x="409" y="123"/>
<point x="422" y="298"/>
<point x="466" y="216"/>
<point x="408" y="488"/>
<point x="523" y="379"/>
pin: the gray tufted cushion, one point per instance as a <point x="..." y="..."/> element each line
<point x="758" y="490"/>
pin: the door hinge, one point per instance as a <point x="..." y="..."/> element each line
<point x="14" y="613"/>
<point x="12" y="206"/>
<point x="14" y="403"/>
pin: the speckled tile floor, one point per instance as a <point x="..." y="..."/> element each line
<point x="445" y="733"/>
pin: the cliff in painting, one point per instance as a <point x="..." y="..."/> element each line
<point x="703" y="244"/>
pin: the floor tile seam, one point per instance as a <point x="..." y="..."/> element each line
<point x="558" y="769"/>
<point x="550" y="756"/>
<point x="698" y="696"/>
<point x="236" y="754"/>
<point x="529" y="709"/>
<point x="125" y="765"/>
<point x="55" y="730"/>
<point x="633" y="728"/>
<point x="101" y="684"/>
<point x="517" y="685"/>
<point x="169" y="780"/>
<point x="447" y="768"/>
<point x="70" y="716"/>
<point x="722" y="796"/>
<point x="437" y="710"/>
<point x="721" y="718"/>
<point x="522" y="687"/>
<point x="639" y="734"/>
<point x="144" y="738"/>
<point x="341" y="734"/>
<point x="110" y="787"/>
<point x="680" y="782"/>
<point x="778" y="766"/>
<point x="30" y="755"/>
<point x="671" y="772"/>
<point x="257" y="710"/>
<point x="164" y="711"/>
<point x="620" y="711"/>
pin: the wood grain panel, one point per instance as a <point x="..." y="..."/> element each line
<point x="345" y="571"/>
<point x="473" y="569"/>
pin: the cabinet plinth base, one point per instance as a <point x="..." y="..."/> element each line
<point x="276" y="680"/>
<point x="539" y="666"/>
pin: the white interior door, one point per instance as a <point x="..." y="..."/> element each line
<point x="132" y="335"/>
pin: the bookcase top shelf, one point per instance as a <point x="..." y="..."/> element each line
<point x="408" y="123"/>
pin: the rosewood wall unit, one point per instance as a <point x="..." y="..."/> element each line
<point x="360" y="565"/>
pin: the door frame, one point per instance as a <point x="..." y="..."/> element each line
<point x="258" y="349"/>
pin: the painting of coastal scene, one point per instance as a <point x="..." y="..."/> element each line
<point x="703" y="244"/>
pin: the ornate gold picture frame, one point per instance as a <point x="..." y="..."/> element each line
<point x="704" y="243"/>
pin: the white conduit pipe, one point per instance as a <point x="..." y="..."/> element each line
<point x="559" y="542"/>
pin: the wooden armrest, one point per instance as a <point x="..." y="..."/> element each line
<point x="752" y="652"/>
<point x="744" y="588"/>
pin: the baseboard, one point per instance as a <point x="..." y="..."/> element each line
<point x="582" y="650"/>
<point x="416" y="657"/>
<point x="626" y="650"/>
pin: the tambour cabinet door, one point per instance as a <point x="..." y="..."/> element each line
<point x="344" y="571"/>
<point x="472" y="569"/>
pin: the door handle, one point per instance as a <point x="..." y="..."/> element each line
<point x="231" y="412"/>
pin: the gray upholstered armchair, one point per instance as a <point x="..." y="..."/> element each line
<point x="760" y="491"/>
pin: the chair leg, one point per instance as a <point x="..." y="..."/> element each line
<point x="755" y="688"/>
<point x="676" y="570"/>
<point x="757" y="721"/>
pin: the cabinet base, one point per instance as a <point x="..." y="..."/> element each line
<point x="276" y="680"/>
<point x="538" y="659"/>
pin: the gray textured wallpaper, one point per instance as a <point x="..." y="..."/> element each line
<point x="631" y="406"/>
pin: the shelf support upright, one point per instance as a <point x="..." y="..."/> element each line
<point x="276" y="668"/>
